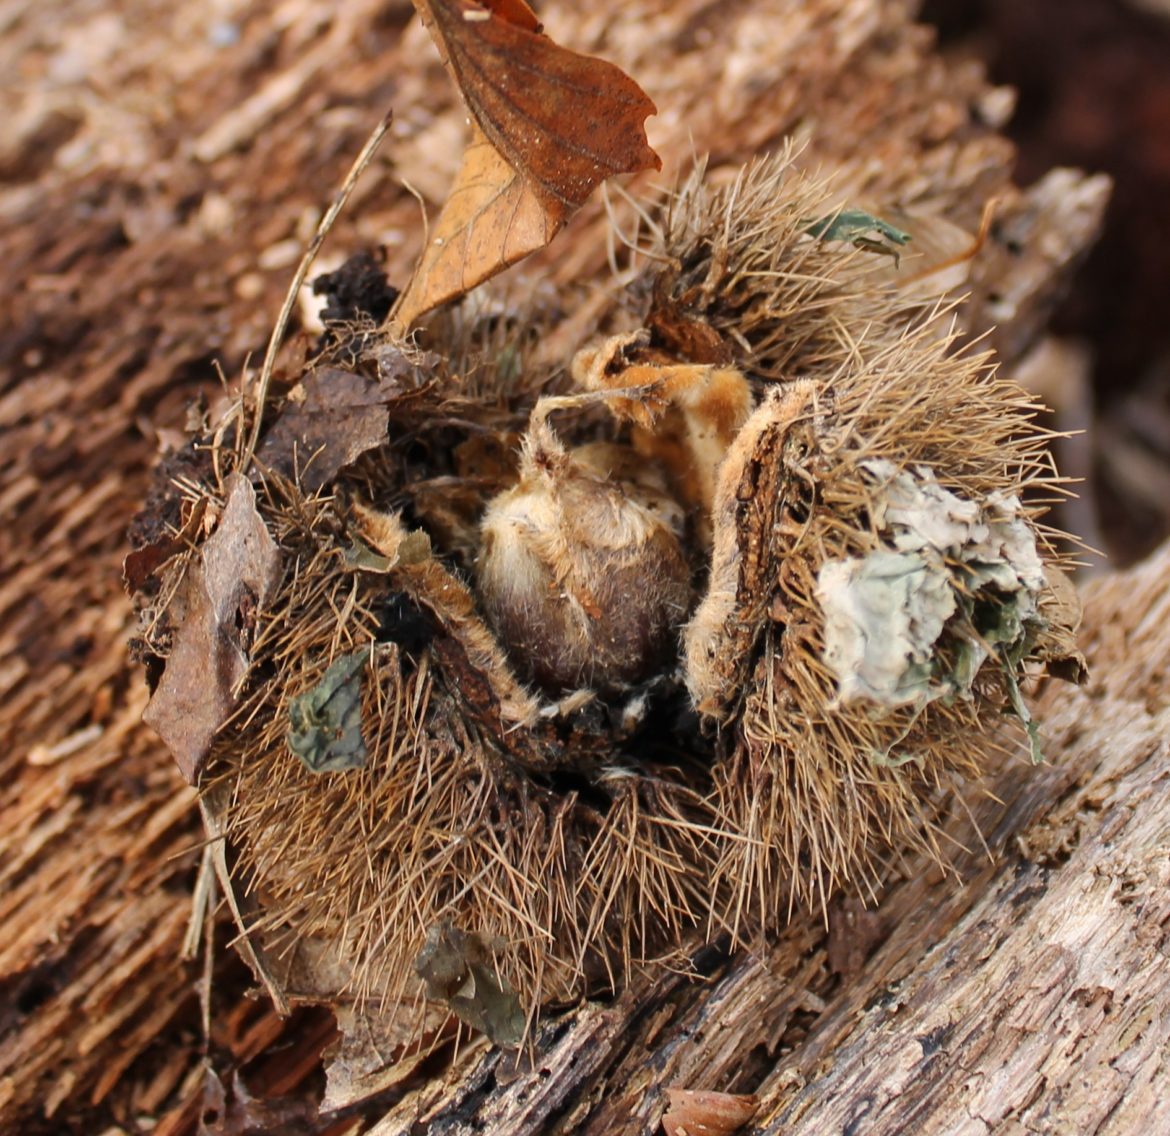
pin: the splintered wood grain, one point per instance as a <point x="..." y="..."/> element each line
<point x="160" y="168"/>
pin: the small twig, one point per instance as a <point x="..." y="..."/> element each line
<point x="201" y="931"/>
<point x="208" y="968"/>
<point x="422" y="209"/>
<point x="200" y="901"/>
<point x="246" y="947"/>
<point x="339" y="199"/>
<point x="969" y="253"/>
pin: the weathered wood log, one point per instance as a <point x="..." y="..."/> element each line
<point x="152" y="212"/>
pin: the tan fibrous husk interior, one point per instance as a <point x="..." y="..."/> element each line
<point x="575" y="850"/>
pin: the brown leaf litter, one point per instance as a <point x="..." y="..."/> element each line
<point x="549" y="125"/>
<point x="215" y="612"/>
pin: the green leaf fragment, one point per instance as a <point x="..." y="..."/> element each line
<point x="1020" y="708"/>
<point x="325" y="723"/>
<point x="970" y="655"/>
<point x="891" y="760"/>
<point x="862" y="230"/>
<point x="362" y="557"/>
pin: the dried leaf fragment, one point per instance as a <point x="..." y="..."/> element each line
<point x="696" y="1113"/>
<point x="378" y="1050"/>
<point x="492" y="219"/>
<point x="549" y="125"/>
<point x="332" y="418"/>
<point x="457" y="968"/>
<point x="139" y="565"/>
<point x="233" y="578"/>
<point x="144" y="562"/>
<point x="325" y="723"/>
<point x="962" y="584"/>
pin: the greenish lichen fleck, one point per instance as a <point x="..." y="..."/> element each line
<point x="325" y="723"/>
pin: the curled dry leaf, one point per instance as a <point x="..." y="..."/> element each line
<point x="694" y="1113"/>
<point x="223" y="589"/>
<point x="549" y="125"/>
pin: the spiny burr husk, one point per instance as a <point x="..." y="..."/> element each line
<point x="860" y="663"/>
<point x="824" y="774"/>
<point x="569" y="838"/>
<point x="457" y="815"/>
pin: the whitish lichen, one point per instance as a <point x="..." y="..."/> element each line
<point x="954" y="582"/>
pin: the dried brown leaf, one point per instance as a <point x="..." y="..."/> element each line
<point x="233" y="577"/>
<point x="694" y="1113"/>
<point x="549" y="125"/>
<point x="492" y="219"/>
<point x="141" y="564"/>
<point x="563" y="120"/>
<point x="331" y="419"/>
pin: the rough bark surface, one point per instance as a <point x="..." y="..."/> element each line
<point x="161" y="167"/>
